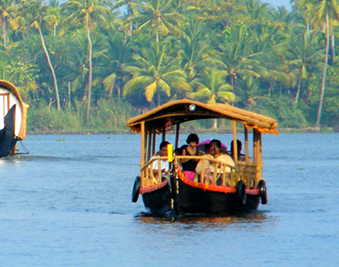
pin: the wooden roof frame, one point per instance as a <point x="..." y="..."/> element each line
<point x="178" y="111"/>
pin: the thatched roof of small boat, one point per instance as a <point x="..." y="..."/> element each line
<point x="179" y="111"/>
<point x="13" y="90"/>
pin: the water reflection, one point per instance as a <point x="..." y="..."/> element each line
<point x="210" y="221"/>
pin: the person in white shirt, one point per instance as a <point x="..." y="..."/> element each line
<point x="164" y="164"/>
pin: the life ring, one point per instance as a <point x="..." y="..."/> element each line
<point x="136" y="189"/>
<point x="241" y="191"/>
<point x="262" y="191"/>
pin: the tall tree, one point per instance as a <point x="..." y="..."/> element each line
<point x="8" y="18"/>
<point x="193" y="50"/>
<point x="236" y="54"/>
<point x="322" y="12"/>
<point x="302" y="57"/>
<point x="131" y="11"/>
<point x="87" y="13"/>
<point x="211" y="87"/>
<point x="156" y="73"/>
<point x="113" y="59"/>
<point x="158" y="16"/>
<point x="35" y="14"/>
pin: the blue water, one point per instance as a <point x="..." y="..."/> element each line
<point x="68" y="203"/>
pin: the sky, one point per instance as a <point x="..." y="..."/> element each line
<point x="276" y="3"/>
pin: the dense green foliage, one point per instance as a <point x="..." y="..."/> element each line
<point x="92" y="64"/>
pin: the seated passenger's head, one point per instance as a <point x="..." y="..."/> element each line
<point x="192" y="140"/>
<point x="239" y="146"/>
<point x="163" y="148"/>
<point x="215" y="146"/>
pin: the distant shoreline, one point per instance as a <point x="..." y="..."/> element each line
<point x="201" y="131"/>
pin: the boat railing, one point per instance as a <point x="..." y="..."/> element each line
<point x="148" y="177"/>
<point x="247" y="171"/>
<point x="224" y="174"/>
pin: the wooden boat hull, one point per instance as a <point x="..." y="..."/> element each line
<point x="192" y="200"/>
<point x="7" y="137"/>
<point x="158" y="202"/>
<point x="197" y="200"/>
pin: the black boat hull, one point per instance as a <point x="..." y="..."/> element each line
<point x="7" y="136"/>
<point x="158" y="202"/>
<point x="192" y="200"/>
<point x="197" y="200"/>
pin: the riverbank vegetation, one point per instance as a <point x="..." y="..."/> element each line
<point x="92" y="64"/>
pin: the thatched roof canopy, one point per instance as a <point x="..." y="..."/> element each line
<point x="179" y="111"/>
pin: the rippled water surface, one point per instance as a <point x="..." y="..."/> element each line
<point x="68" y="203"/>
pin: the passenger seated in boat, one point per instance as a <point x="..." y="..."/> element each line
<point x="188" y="165"/>
<point x="164" y="164"/>
<point x="179" y="150"/>
<point x="209" y="168"/>
<point x="241" y="157"/>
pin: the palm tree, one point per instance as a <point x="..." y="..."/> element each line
<point x="156" y="73"/>
<point x="211" y="87"/>
<point x="322" y="12"/>
<point x="158" y="15"/>
<point x="131" y="11"/>
<point x="301" y="56"/>
<point x="73" y="63"/>
<point x="193" y="50"/>
<point x="248" y="92"/>
<point x="113" y="59"/>
<point x="54" y="14"/>
<point x="35" y="15"/>
<point x="236" y="55"/>
<point x="7" y="17"/>
<point x="87" y="13"/>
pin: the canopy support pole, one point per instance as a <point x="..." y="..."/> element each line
<point x="235" y="145"/>
<point x="143" y="152"/>
<point x="246" y="144"/>
<point x="177" y="136"/>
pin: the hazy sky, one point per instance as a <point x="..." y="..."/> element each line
<point x="277" y="3"/>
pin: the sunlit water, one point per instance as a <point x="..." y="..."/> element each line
<point x="68" y="203"/>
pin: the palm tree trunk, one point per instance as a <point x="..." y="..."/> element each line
<point x="119" y="89"/>
<point x="4" y="31"/>
<point x="215" y="124"/>
<point x="51" y="68"/>
<point x="296" y="99"/>
<point x="322" y="89"/>
<point x="69" y="94"/>
<point x="89" y="75"/>
<point x="332" y="48"/>
<point x="110" y="91"/>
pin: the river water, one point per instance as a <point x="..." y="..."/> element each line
<point x="68" y="203"/>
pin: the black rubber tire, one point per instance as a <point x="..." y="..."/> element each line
<point x="136" y="189"/>
<point x="263" y="192"/>
<point x="241" y="192"/>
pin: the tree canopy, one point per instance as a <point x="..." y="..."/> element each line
<point x="87" y="53"/>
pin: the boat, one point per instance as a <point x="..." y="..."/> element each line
<point x="14" y="113"/>
<point x="241" y="189"/>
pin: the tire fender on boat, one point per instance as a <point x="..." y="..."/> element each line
<point x="136" y="189"/>
<point x="263" y="192"/>
<point x="241" y="191"/>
